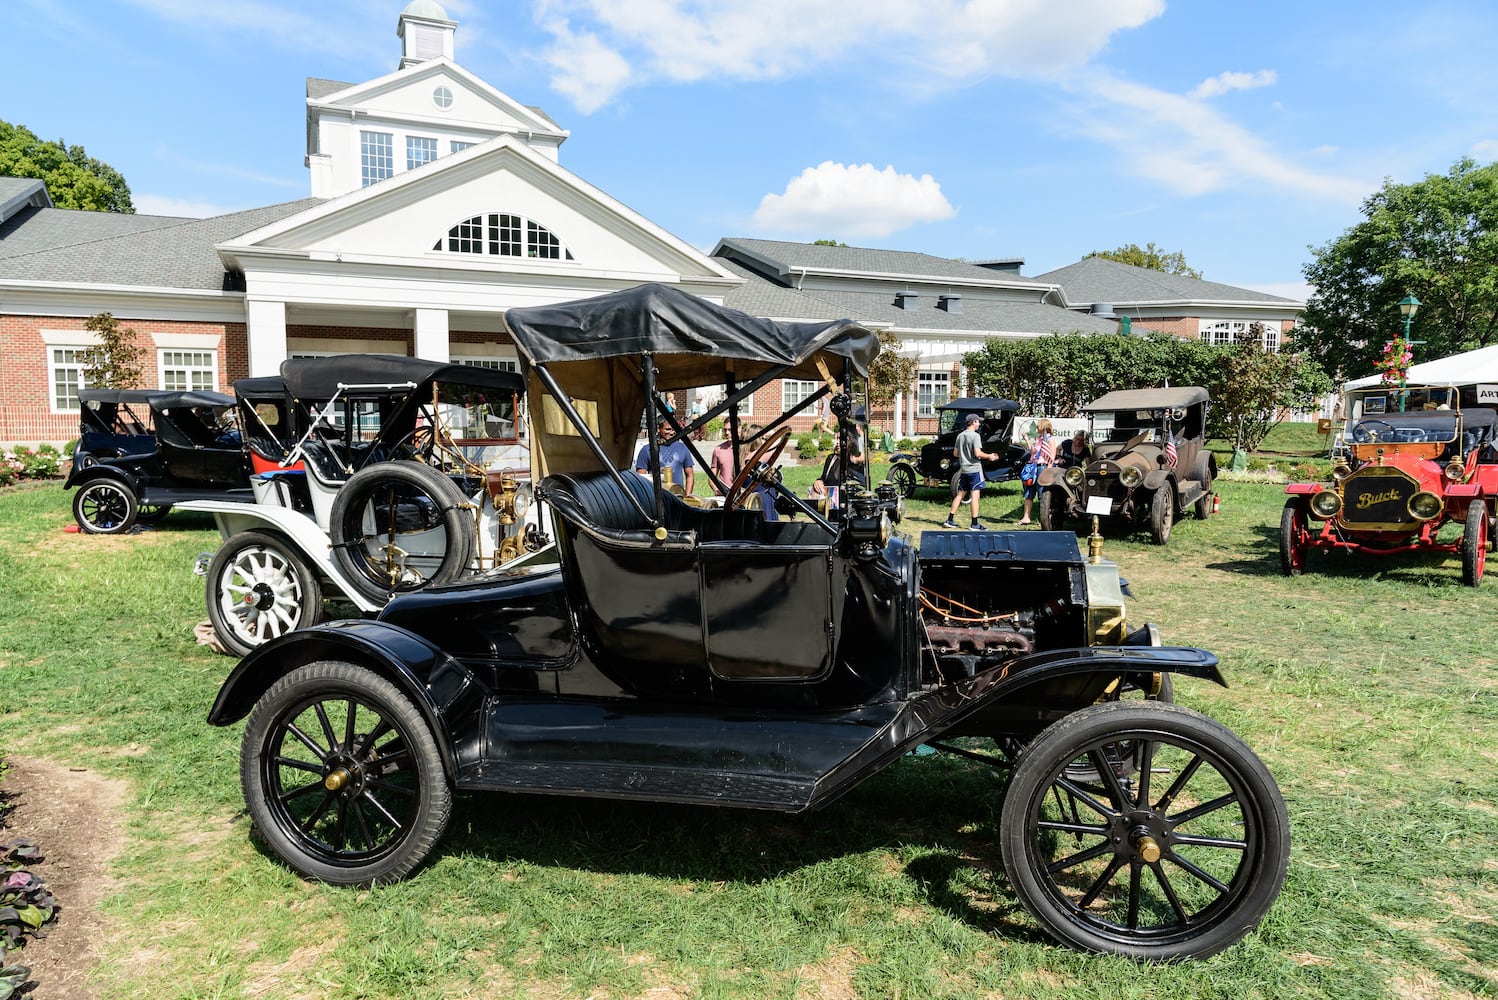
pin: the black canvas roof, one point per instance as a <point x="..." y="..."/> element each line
<point x="979" y="403"/>
<point x="1148" y="399"/>
<point x="157" y="399"/>
<point x="663" y="320"/>
<point x="321" y="378"/>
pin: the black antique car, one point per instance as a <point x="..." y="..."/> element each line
<point x="1150" y="463"/>
<point x="140" y="451"/>
<point x="936" y="465"/>
<point x="712" y="657"/>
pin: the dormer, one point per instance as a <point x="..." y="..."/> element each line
<point x="426" y="32"/>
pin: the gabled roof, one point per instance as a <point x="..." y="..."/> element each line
<point x="877" y="306"/>
<point x="67" y="245"/>
<point x="1097" y="279"/>
<point x="17" y="193"/>
<point x="760" y="297"/>
<point x="787" y="261"/>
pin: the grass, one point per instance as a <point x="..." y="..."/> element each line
<point x="1367" y="686"/>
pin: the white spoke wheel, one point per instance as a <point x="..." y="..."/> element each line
<point x="1475" y="543"/>
<point x="1162" y="513"/>
<point x="105" y="507"/>
<point x="342" y="776"/>
<point x="260" y="588"/>
<point x="1177" y="855"/>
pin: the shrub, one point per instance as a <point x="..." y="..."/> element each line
<point x="41" y="462"/>
<point x="1256" y="464"/>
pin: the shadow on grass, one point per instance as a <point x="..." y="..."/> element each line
<point x="1427" y="568"/>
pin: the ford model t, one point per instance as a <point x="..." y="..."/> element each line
<point x="936" y="464"/>
<point x="140" y="451"/>
<point x="1150" y="463"/>
<point x="713" y="657"/>
<point x="1415" y="463"/>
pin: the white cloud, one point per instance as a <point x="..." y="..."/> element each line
<point x="1485" y="151"/>
<point x="1224" y="82"/>
<point x="839" y="200"/>
<point x="155" y="204"/>
<point x="937" y="41"/>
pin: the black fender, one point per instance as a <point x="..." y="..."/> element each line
<point x="1156" y="478"/>
<point x="440" y="687"/>
<point x="93" y="473"/>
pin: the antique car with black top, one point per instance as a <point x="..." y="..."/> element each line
<point x="1150" y="463"/>
<point x="1416" y="462"/>
<point x="141" y="451"/>
<point x="712" y="657"/>
<point x="936" y="463"/>
<point x="373" y="475"/>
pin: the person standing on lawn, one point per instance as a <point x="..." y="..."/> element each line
<point x="970" y="458"/>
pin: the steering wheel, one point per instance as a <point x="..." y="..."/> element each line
<point x="1364" y="433"/>
<point x="767" y="452"/>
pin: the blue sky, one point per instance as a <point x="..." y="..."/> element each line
<point x="1238" y="134"/>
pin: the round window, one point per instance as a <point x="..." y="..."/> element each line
<point x="443" y="98"/>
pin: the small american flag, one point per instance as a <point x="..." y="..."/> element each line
<point x="1170" y="449"/>
<point x="1045" y="450"/>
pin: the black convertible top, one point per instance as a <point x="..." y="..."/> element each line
<point x="1148" y="399"/>
<point x="157" y="399"/>
<point x="977" y="403"/>
<point x="321" y="378"/>
<point x="663" y="320"/>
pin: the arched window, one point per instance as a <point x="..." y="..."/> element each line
<point x="500" y="235"/>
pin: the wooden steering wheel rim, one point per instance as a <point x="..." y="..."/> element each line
<point x="736" y="492"/>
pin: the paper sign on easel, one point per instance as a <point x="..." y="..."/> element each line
<point x="1100" y="505"/>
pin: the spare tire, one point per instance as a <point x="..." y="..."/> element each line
<point x="400" y="526"/>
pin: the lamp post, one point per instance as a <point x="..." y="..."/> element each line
<point x="1408" y="306"/>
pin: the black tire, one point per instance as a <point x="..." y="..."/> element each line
<point x="1162" y="513"/>
<point x="1178" y="859"/>
<point x="1050" y="513"/>
<point x="105" y="507"/>
<point x="1293" y="547"/>
<point x="400" y="526"/>
<point x="956" y="484"/>
<point x="904" y="479"/>
<point x="1475" y="543"/>
<point x="151" y="513"/>
<point x="260" y="588"/>
<point x="1204" y="472"/>
<point x="342" y="776"/>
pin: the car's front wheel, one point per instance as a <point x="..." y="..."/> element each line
<point x="1293" y="534"/>
<point x="1162" y="513"/>
<point x="342" y="776"/>
<point x="1475" y="543"/>
<point x="259" y="588"/>
<point x="1177" y="858"/>
<point x="105" y="507"/>
<point x="1050" y="510"/>
<point x="903" y="478"/>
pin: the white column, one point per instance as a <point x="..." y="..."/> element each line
<point x="899" y="415"/>
<point x="431" y="335"/>
<point x="267" y="336"/>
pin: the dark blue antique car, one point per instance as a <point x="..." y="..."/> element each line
<point x="710" y="656"/>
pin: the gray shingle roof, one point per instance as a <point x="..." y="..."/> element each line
<point x="1096" y="279"/>
<point x="759" y="297"/>
<point x="786" y="257"/>
<point x="150" y="251"/>
<point x="977" y="316"/>
<point x="318" y="88"/>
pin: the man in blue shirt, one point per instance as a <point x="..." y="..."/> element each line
<point x="676" y="461"/>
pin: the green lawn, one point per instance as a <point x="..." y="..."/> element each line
<point x="1368" y="686"/>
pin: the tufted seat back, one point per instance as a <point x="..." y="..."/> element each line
<point x="596" y="503"/>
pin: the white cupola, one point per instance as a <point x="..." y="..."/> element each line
<point x="426" y="32"/>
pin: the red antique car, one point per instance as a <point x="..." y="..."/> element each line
<point x="1416" y="462"/>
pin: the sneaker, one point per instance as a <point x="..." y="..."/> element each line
<point x="949" y="523"/>
<point x="977" y="526"/>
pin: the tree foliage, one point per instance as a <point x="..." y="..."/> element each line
<point x="115" y="362"/>
<point x="1436" y="239"/>
<point x="890" y="374"/>
<point x="1054" y="375"/>
<point x="1152" y="257"/>
<point x="73" y="178"/>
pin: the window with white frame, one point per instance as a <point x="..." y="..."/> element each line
<point x="419" y="150"/>
<point x="1271" y="340"/>
<point x="183" y="371"/>
<point x="931" y="390"/>
<point x="794" y="391"/>
<point x="457" y="146"/>
<point x="65" y="377"/>
<point x="376" y="156"/>
<point x="501" y="234"/>
<point x="1225" y="332"/>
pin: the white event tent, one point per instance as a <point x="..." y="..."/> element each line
<point x="1479" y="367"/>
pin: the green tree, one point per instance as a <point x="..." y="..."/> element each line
<point x="1255" y="389"/>
<point x="115" y="362"/>
<point x="827" y="243"/>
<point x="1152" y="257"/>
<point x="890" y="374"/>
<point x="73" y="178"/>
<point x="1436" y="239"/>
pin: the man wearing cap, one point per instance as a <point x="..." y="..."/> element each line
<point x="970" y="456"/>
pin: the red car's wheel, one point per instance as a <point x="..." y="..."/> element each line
<point x="1475" y="543"/>
<point x="1293" y="535"/>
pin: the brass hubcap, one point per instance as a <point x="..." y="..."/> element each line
<point x="336" y="779"/>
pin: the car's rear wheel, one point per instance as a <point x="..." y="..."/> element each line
<point x="342" y="776"/>
<point x="903" y="477"/>
<point x="1293" y="537"/>
<point x="1475" y="543"/>
<point x="260" y="588"/>
<point x="1162" y="513"/>
<point x="1177" y="859"/>
<point x="1050" y="510"/>
<point x="400" y="526"/>
<point x="1203" y="472"/>
<point x="149" y="513"/>
<point x="105" y="507"/>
